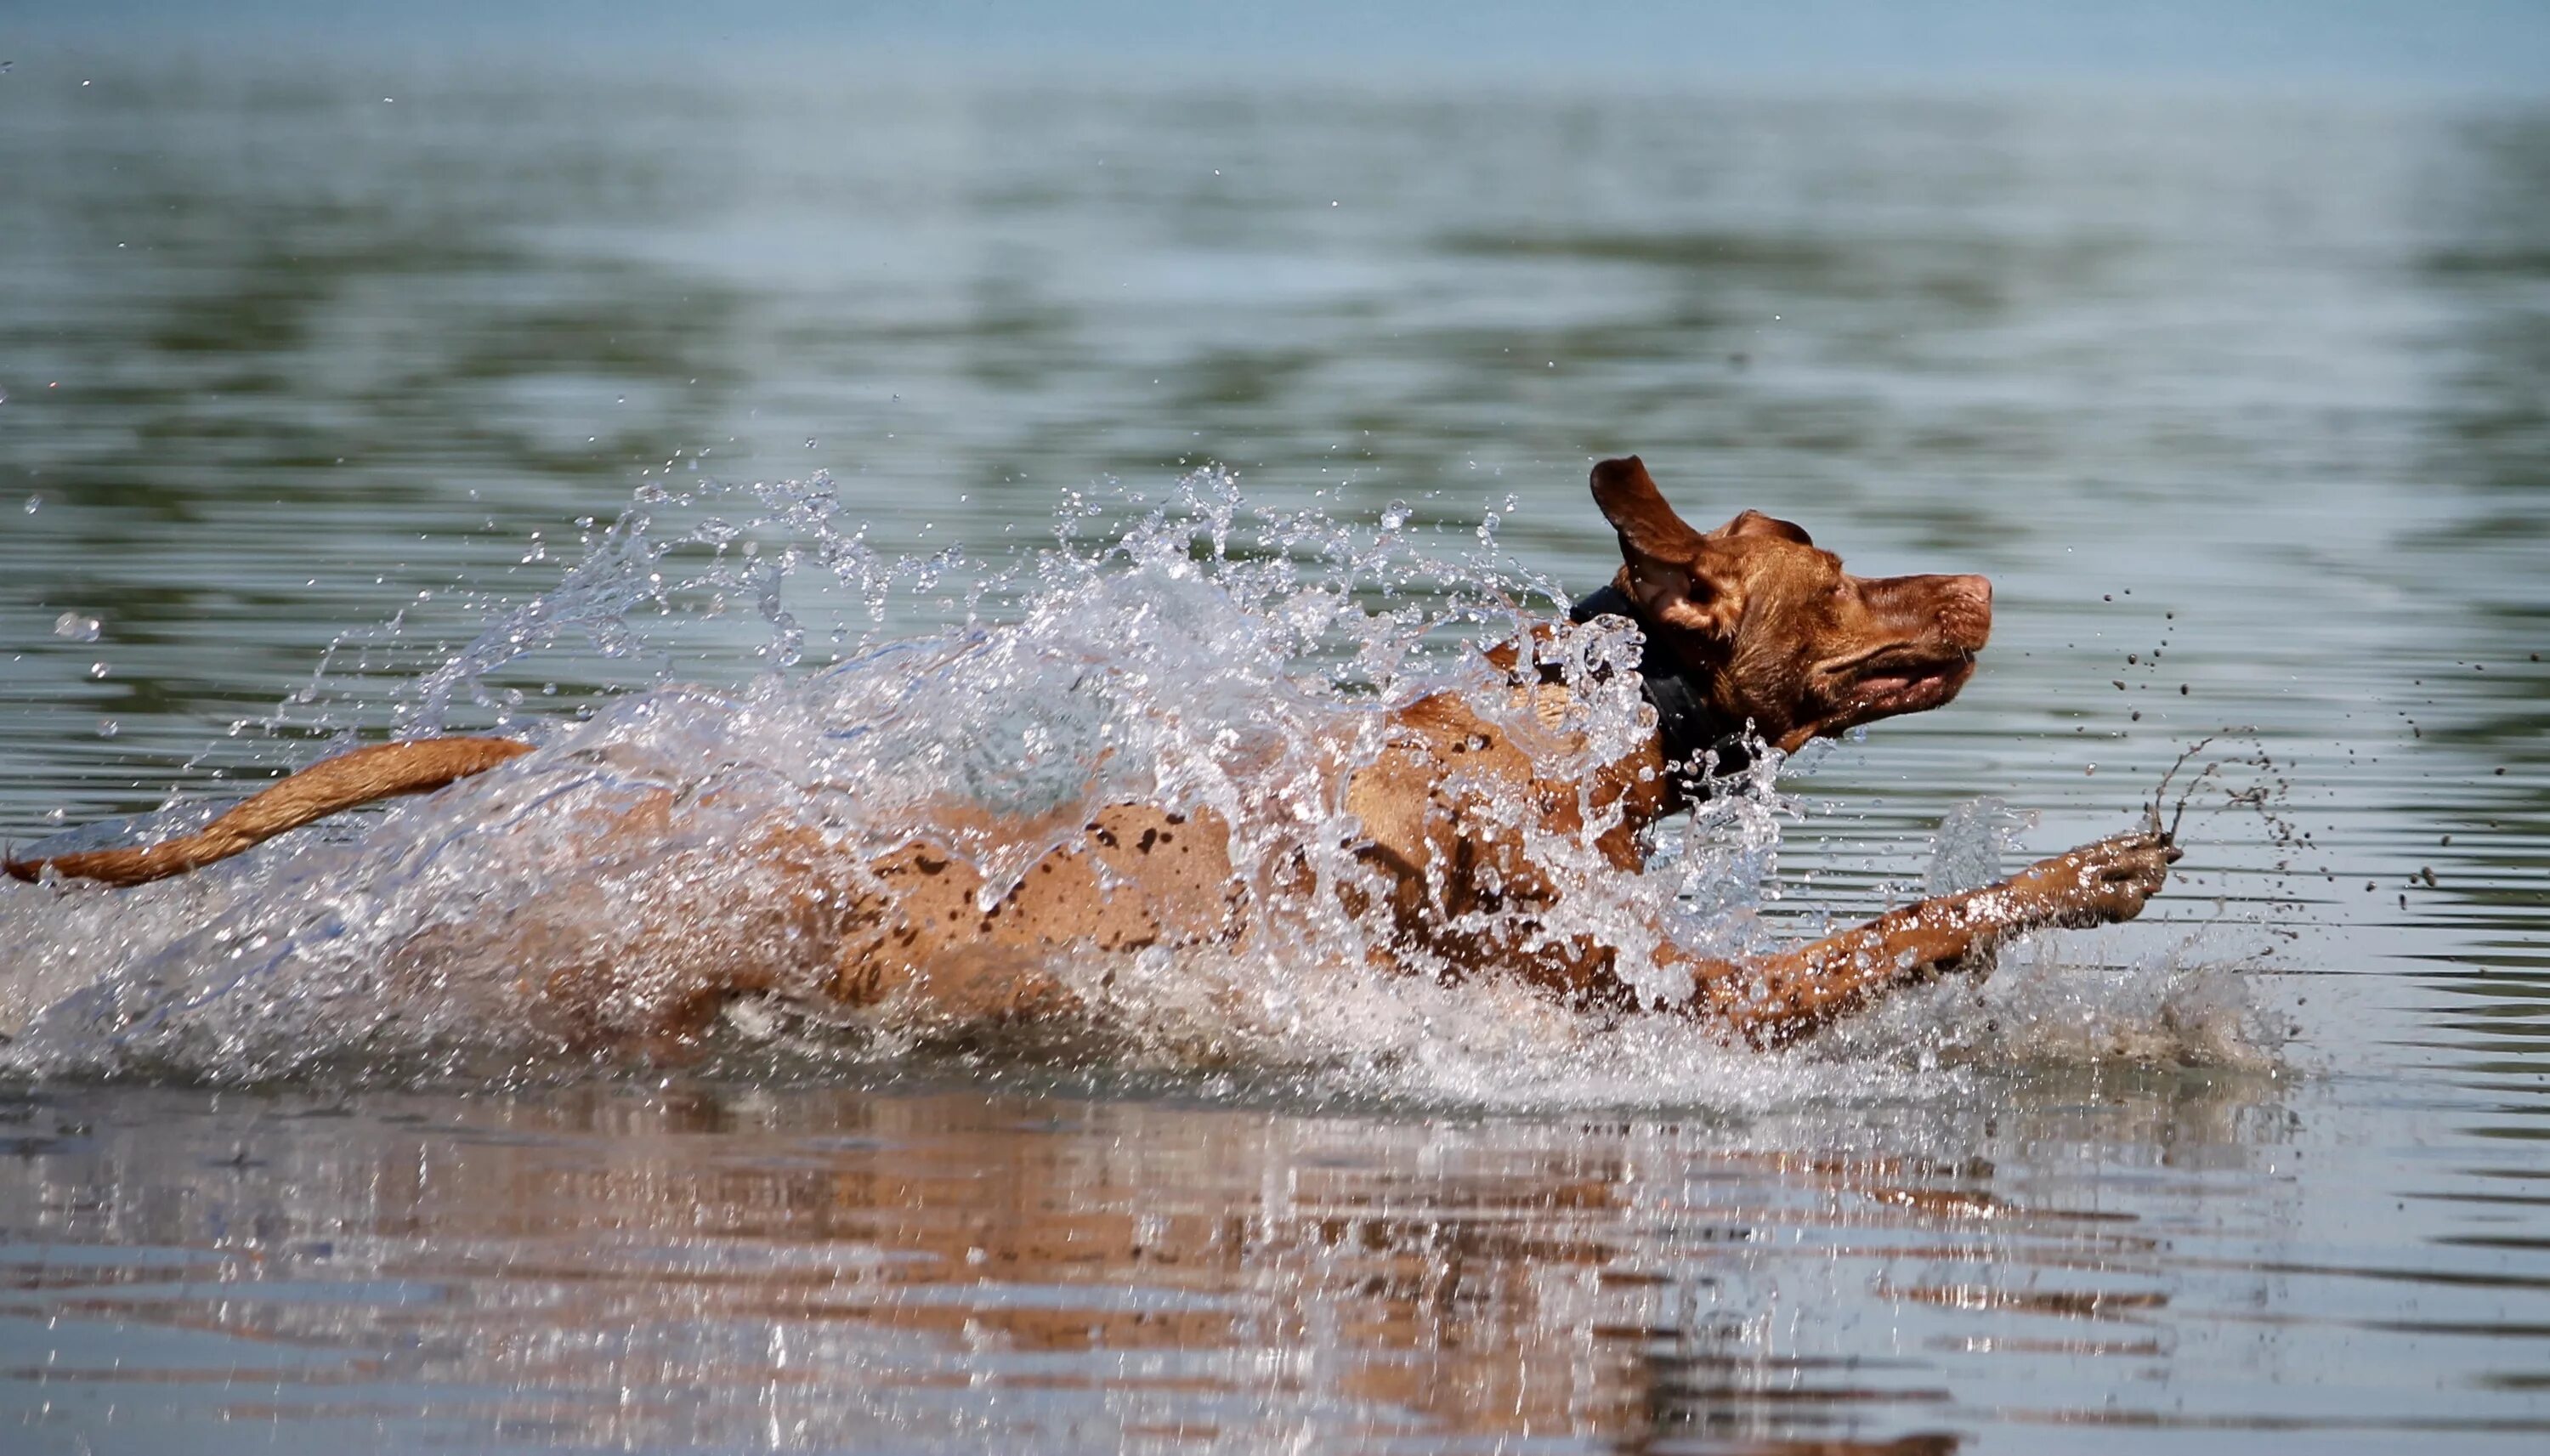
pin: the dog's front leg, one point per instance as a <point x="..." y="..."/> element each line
<point x="1780" y="998"/>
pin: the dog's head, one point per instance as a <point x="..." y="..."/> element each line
<point x="1769" y="629"/>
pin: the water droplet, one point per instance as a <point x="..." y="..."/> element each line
<point x="35" y="503"/>
<point x="97" y="669"/>
<point x="108" y="728"/>
<point x="72" y="626"/>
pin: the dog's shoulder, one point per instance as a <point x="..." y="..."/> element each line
<point x="1464" y="771"/>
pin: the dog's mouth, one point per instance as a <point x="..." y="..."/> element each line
<point x="1910" y="686"/>
<point x="1887" y="682"/>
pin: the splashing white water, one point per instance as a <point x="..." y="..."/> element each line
<point x="1208" y="656"/>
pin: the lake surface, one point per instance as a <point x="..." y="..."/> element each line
<point x="306" y="379"/>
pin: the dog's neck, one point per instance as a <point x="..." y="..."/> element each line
<point x="1699" y="740"/>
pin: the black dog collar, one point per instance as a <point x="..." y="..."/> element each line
<point x="1696" y="742"/>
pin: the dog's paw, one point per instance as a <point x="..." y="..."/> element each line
<point x="2100" y="884"/>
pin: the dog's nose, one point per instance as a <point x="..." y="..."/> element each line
<point x="1965" y="611"/>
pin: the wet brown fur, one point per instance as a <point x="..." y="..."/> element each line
<point x="1771" y="627"/>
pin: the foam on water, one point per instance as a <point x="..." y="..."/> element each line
<point x="1203" y="654"/>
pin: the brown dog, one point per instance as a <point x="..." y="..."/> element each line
<point x="1752" y="635"/>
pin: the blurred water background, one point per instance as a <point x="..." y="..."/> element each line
<point x="2243" y="400"/>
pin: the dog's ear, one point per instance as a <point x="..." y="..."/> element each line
<point x="1674" y="573"/>
<point x="1754" y="523"/>
<point x="1628" y="499"/>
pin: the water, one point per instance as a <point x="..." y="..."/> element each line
<point x="305" y="389"/>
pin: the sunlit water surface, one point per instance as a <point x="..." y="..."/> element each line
<point x="321" y="399"/>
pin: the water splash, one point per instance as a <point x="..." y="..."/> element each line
<point x="1197" y="654"/>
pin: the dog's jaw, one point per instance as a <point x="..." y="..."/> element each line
<point x="1898" y="680"/>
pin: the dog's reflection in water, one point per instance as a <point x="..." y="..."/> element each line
<point x="946" y="1266"/>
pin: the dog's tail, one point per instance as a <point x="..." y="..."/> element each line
<point x="381" y="771"/>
